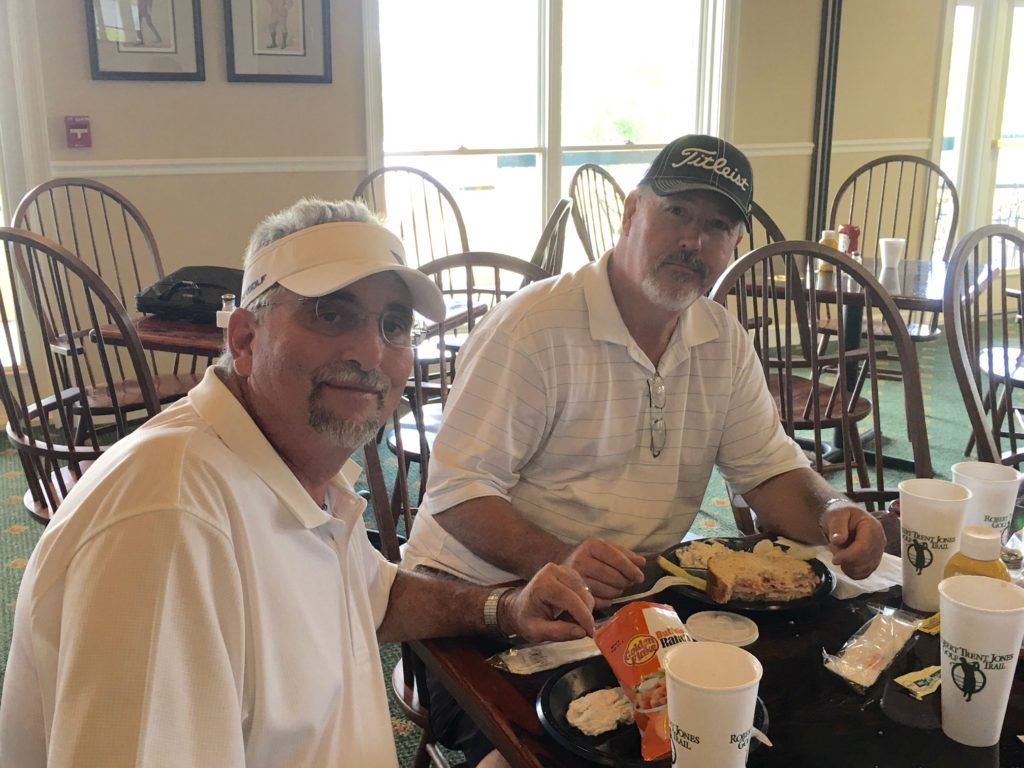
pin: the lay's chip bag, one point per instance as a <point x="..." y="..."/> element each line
<point x="634" y="642"/>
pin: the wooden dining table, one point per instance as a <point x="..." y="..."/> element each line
<point x="815" y="719"/>
<point x="177" y="336"/>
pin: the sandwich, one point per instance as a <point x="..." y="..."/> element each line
<point x="759" y="578"/>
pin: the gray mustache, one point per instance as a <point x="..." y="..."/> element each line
<point x="349" y="373"/>
<point x="688" y="260"/>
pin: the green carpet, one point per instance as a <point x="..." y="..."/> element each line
<point x="947" y="431"/>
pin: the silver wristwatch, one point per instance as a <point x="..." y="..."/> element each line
<point x="491" y="611"/>
<point x="833" y="501"/>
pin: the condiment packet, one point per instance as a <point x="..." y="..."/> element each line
<point x="538" y="657"/>
<point x="922" y="682"/>
<point x="930" y="626"/>
<point x="872" y="648"/>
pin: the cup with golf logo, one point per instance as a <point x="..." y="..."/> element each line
<point x="931" y="518"/>
<point x="981" y="633"/>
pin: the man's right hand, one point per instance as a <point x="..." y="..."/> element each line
<point x="607" y="568"/>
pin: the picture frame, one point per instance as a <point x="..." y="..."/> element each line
<point x="145" y="39"/>
<point x="278" y="41"/>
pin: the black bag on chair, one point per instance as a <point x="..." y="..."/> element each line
<point x="190" y="293"/>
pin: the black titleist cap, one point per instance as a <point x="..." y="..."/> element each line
<point x="703" y="162"/>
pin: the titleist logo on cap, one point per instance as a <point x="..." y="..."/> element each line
<point x="703" y="158"/>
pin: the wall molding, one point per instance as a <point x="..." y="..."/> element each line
<point x="205" y="166"/>
<point x="873" y="146"/>
<point x="780" y="149"/>
<point x="883" y="146"/>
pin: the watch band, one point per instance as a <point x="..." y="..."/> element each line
<point x="835" y="500"/>
<point x="491" y="610"/>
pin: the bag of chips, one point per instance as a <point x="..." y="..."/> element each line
<point x="634" y="642"/>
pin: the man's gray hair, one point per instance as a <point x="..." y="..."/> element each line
<point x="307" y="212"/>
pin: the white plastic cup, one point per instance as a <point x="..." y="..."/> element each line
<point x="712" y="694"/>
<point x="980" y="637"/>
<point x="993" y="489"/>
<point x="891" y="249"/>
<point x="931" y="518"/>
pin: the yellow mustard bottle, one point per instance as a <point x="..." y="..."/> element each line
<point x="829" y="238"/>
<point x="979" y="554"/>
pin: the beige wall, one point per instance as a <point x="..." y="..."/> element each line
<point x="889" y="59"/>
<point x="207" y="217"/>
<point x="889" y="62"/>
<point x="774" y="100"/>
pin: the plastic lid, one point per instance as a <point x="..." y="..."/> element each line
<point x="722" y="627"/>
<point x="980" y="542"/>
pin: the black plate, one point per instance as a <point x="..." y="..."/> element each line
<point x="828" y="582"/>
<point x="620" y="747"/>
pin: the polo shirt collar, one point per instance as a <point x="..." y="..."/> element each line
<point x="696" y="325"/>
<point x="219" y="408"/>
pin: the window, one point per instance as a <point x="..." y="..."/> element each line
<point x="1008" y="191"/>
<point x="501" y="100"/>
<point x="983" y="134"/>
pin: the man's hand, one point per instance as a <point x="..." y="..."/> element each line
<point x="856" y="539"/>
<point x="607" y="568"/>
<point x="554" y="605"/>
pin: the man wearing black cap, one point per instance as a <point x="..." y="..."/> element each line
<point x="589" y="410"/>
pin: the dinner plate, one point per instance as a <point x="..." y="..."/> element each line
<point x="620" y="747"/>
<point x="828" y="582"/>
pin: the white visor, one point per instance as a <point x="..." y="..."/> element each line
<point x="323" y="259"/>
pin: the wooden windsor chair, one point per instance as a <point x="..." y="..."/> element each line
<point x="598" y="204"/>
<point x="68" y="394"/>
<point x="391" y="509"/>
<point x="776" y="291"/>
<point x="472" y="284"/>
<point x="419" y="209"/>
<point x="104" y="229"/>
<point x="551" y="246"/>
<point x="899" y="196"/>
<point x="985" y="337"/>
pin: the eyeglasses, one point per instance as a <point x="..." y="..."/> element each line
<point x="656" y="390"/>
<point x="336" y="315"/>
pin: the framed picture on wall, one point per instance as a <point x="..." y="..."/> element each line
<point x="278" y="41"/>
<point x="145" y="39"/>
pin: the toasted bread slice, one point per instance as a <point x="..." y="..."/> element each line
<point x="747" y="576"/>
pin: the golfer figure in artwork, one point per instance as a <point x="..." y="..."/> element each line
<point x="278" y="25"/>
<point x="145" y="17"/>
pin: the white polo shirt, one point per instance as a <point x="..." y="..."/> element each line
<point x="191" y="605"/>
<point x="551" y="411"/>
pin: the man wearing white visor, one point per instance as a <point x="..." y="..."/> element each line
<point x="207" y="595"/>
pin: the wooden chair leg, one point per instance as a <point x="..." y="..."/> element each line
<point x="857" y="447"/>
<point x="422" y="759"/>
<point x="986" y="406"/>
<point x="744" y="520"/>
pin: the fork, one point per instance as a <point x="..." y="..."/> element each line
<point x="659" y="586"/>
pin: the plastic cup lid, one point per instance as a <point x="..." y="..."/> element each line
<point x="722" y="627"/>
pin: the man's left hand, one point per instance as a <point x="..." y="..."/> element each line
<point x="554" y="605"/>
<point x="856" y="539"/>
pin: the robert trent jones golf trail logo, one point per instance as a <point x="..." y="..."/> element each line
<point x="969" y="667"/>
<point x="920" y="548"/>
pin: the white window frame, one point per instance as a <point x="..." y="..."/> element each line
<point x="712" y="100"/>
<point x="983" y="105"/>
